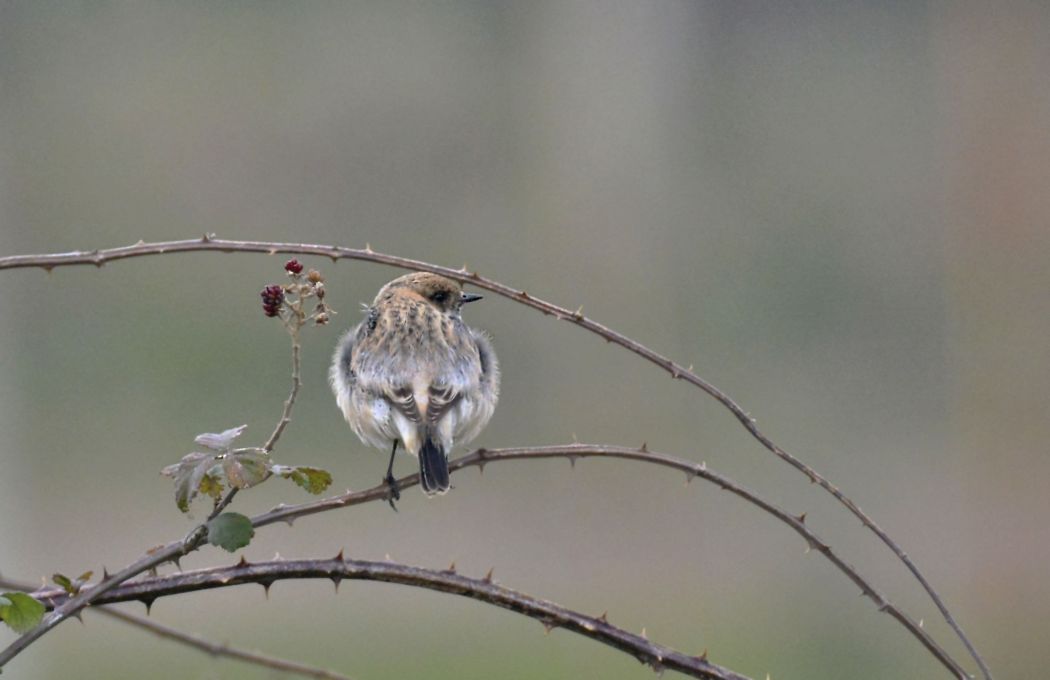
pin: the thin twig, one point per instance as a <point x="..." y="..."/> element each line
<point x="286" y="414"/>
<point x="70" y="607"/>
<point x="221" y="649"/>
<point x="484" y="590"/>
<point x="209" y="243"/>
<point x="201" y="643"/>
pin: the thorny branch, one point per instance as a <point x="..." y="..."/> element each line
<point x="174" y="551"/>
<point x="209" y="242"/>
<point x="202" y="643"/>
<point x="482" y="457"/>
<point x="484" y="590"/>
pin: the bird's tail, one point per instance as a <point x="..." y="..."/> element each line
<point x="433" y="468"/>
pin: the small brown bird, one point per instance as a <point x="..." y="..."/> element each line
<point x="413" y="373"/>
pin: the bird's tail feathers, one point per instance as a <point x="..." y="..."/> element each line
<point x="433" y="468"/>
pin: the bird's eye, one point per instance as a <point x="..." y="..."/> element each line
<point x="440" y="297"/>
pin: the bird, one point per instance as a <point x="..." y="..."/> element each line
<point x="413" y="373"/>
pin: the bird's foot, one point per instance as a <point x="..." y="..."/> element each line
<point x="395" y="493"/>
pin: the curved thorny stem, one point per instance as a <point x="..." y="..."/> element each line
<point x="448" y="581"/>
<point x="482" y="457"/>
<point x="201" y="643"/>
<point x="209" y="243"/>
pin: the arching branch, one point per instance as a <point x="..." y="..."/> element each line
<point x="484" y="590"/>
<point x="201" y="643"/>
<point x="571" y="452"/>
<point x="209" y="243"/>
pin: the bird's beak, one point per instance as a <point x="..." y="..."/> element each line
<point x="469" y="297"/>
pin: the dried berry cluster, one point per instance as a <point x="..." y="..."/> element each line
<point x="290" y="297"/>
<point x="272" y="297"/>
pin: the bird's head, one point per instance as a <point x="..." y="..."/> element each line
<point x="443" y="293"/>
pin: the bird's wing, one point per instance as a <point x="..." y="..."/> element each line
<point x="402" y="399"/>
<point x="490" y="373"/>
<point x="341" y="375"/>
<point x="441" y="399"/>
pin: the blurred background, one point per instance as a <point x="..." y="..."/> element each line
<point x="837" y="211"/>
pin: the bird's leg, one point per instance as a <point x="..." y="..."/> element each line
<point x="395" y="493"/>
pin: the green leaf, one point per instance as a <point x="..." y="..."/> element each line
<point x="314" y="480"/>
<point x="64" y="582"/>
<point x="247" y="468"/>
<point x="189" y="473"/>
<point x="20" y="611"/>
<point x="230" y="531"/>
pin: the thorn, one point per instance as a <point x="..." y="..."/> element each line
<point x="205" y="238"/>
<point x="703" y="466"/>
<point x="339" y="557"/>
<point x="644" y="636"/>
<point x="644" y="448"/>
<point x="149" y="604"/>
<point x="49" y="268"/>
<point x="574" y="439"/>
<point x="524" y="295"/>
<point x="242" y="562"/>
<point x="488" y="576"/>
<point x="451" y="568"/>
<point x="689" y="476"/>
<point x="572" y="460"/>
<point x="547" y="627"/>
<point x="336" y="578"/>
<point x="175" y="561"/>
<point x="78" y="616"/>
<point x="481" y="466"/>
<point x="604" y="618"/>
<point x="387" y="557"/>
<point x="141" y="242"/>
<point x="463" y="268"/>
<point x="105" y="574"/>
<point x="277" y="557"/>
<point x="703" y="656"/>
<point x="921" y="622"/>
<point x="802" y="518"/>
<point x="290" y="521"/>
<point x="266" y="587"/>
<point x="674" y="373"/>
<point x="690" y="369"/>
<point x="368" y="247"/>
<point x="578" y="314"/>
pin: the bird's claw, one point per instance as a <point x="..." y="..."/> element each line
<point x="395" y="493"/>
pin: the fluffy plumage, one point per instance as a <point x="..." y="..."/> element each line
<point x="413" y="372"/>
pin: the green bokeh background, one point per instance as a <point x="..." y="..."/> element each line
<point x="837" y="211"/>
